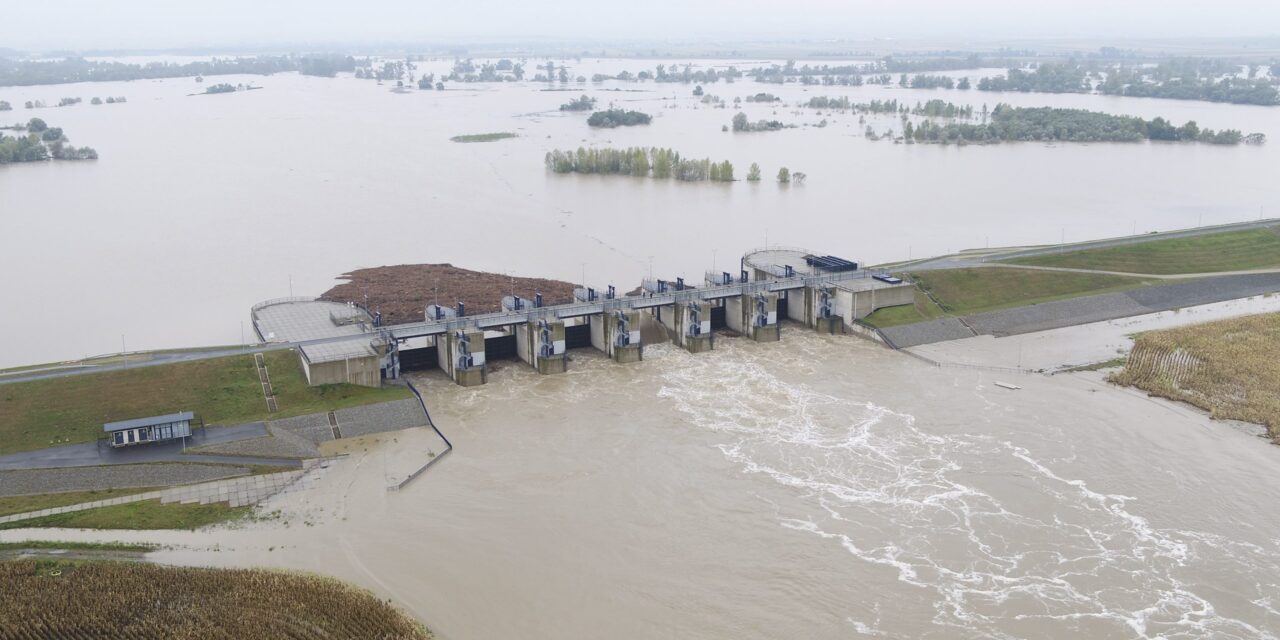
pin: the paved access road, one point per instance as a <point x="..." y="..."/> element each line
<point x="92" y="454"/>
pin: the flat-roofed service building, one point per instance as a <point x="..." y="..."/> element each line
<point x="153" y="429"/>
<point x="363" y="360"/>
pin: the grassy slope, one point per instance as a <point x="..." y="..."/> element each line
<point x="981" y="289"/>
<point x="23" y="504"/>
<point x="44" y="413"/>
<point x="1229" y="251"/>
<point x="922" y="309"/>
<point x="147" y="514"/>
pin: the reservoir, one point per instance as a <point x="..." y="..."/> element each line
<point x="201" y="206"/>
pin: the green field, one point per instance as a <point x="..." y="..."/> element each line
<point x="225" y="391"/>
<point x="145" y="514"/>
<point x="483" y="137"/>
<point x="964" y="292"/>
<point x="1227" y="251"/>
<point x="982" y="289"/>
<point x="923" y="309"/>
<point x="22" y="504"/>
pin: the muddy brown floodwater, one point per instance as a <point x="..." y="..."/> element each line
<point x="200" y="207"/>
<point x="820" y="487"/>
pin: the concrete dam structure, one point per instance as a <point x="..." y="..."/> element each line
<point x="346" y="343"/>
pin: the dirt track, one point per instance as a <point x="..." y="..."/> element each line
<point x="402" y="292"/>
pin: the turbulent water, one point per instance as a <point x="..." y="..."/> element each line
<point x="984" y="536"/>
<point x="201" y="206"/>
<point x="820" y="487"/>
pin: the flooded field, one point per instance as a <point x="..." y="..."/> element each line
<point x="201" y="206"/>
<point x="821" y="487"/>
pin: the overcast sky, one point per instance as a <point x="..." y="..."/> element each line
<point x="86" y="24"/>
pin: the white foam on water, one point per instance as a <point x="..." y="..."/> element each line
<point x="1055" y="554"/>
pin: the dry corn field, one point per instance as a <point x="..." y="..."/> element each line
<point x="1230" y="368"/>
<point x="53" y="600"/>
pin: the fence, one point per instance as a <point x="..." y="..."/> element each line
<point x="448" y="446"/>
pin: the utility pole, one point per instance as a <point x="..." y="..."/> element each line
<point x="124" y="352"/>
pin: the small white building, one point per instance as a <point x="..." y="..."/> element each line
<point x="154" y="429"/>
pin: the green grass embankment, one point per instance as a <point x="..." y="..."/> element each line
<point x="144" y="514"/>
<point x="962" y="292"/>
<point x="226" y="391"/>
<point x="1208" y="253"/>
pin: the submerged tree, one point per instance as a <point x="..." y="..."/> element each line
<point x="753" y="174"/>
<point x="784" y="175"/>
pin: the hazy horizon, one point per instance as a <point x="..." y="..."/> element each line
<point x="147" y="24"/>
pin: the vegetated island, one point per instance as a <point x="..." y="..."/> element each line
<point x="653" y="162"/>
<point x="583" y="103"/>
<point x="1068" y="125"/>
<point x="741" y="123"/>
<point x="1178" y="79"/>
<point x="41" y="142"/>
<point x="224" y="87"/>
<point x="483" y="137"/>
<point x="402" y="292"/>
<point x="122" y="599"/>
<point x="68" y="70"/>
<point x="611" y="118"/>
<point x="1230" y="368"/>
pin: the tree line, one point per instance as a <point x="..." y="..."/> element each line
<point x="654" y="162"/>
<point x="933" y="108"/>
<point x="853" y="73"/>
<point x="657" y="163"/>
<point x="1068" y="125"/>
<point x="40" y="142"/>
<point x="1181" y="79"/>
<point x="73" y="69"/>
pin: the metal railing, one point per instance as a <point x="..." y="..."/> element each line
<point x="267" y="303"/>
<point x="576" y="309"/>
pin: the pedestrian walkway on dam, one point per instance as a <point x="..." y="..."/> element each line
<point x="236" y="492"/>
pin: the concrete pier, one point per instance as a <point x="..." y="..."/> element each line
<point x="690" y="324"/>
<point x="460" y="354"/>
<point x="541" y="344"/>
<point x="617" y="334"/>
<point x="754" y="315"/>
<point x="816" y="308"/>
<point x="856" y="303"/>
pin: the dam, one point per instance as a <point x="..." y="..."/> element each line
<point x="347" y="343"/>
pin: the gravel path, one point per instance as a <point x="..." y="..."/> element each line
<point x="37" y="481"/>
<point x="384" y="416"/>
<point x="929" y="331"/>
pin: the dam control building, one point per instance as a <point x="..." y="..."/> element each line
<point x="346" y="343"/>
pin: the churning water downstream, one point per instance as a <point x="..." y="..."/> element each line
<point x="820" y="487"/>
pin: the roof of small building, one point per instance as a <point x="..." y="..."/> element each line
<point x="147" y="422"/>
<point x="339" y="351"/>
